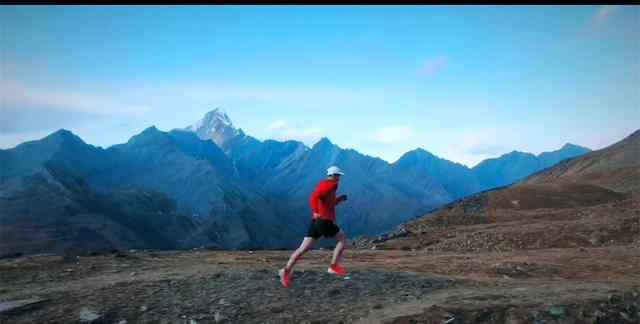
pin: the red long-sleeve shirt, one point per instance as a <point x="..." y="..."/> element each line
<point x="323" y="199"/>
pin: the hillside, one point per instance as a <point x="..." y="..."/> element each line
<point x="616" y="167"/>
<point x="582" y="202"/>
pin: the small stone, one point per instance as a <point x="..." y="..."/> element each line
<point x="133" y="273"/>
<point x="377" y="306"/>
<point x="19" y="305"/>
<point x="143" y="308"/>
<point x="89" y="316"/>
<point x="625" y="316"/>
<point x="333" y="292"/>
<point x="277" y="309"/>
<point x="193" y="322"/>
<point x="615" y="299"/>
<point x="219" y="317"/>
<point x="556" y="311"/>
<point x="223" y="302"/>
<point x="124" y="321"/>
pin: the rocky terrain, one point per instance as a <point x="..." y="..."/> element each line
<point x="565" y="285"/>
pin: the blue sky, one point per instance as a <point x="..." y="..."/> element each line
<point x="463" y="82"/>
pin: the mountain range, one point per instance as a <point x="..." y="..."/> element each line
<point x="210" y="184"/>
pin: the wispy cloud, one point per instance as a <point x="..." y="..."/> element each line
<point x="280" y="130"/>
<point x="17" y="94"/>
<point x="392" y="134"/>
<point x="604" y="13"/>
<point x="432" y="65"/>
<point x="278" y="124"/>
<point x="469" y="146"/>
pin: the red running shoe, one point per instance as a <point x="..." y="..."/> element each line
<point x="284" y="277"/>
<point x="336" y="269"/>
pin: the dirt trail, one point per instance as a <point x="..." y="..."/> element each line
<point x="384" y="286"/>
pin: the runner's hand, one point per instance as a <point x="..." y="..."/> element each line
<point x="316" y="215"/>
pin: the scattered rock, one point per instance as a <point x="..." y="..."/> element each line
<point x="625" y="316"/>
<point x="277" y="309"/>
<point x="133" y="273"/>
<point x="511" y="269"/>
<point x="557" y="311"/>
<point x="143" y="309"/>
<point x="377" y="306"/>
<point x="124" y="321"/>
<point x="219" y="317"/>
<point x="15" y="306"/>
<point x="88" y="316"/>
<point x="333" y="292"/>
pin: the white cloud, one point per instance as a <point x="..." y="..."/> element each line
<point x="280" y="130"/>
<point x="278" y="124"/>
<point x="604" y="13"/>
<point x="392" y="134"/>
<point x="432" y="65"/>
<point x="472" y="145"/>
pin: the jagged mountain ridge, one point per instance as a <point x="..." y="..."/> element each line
<point x="240" y="192"/>
<point x="514" y="166"/>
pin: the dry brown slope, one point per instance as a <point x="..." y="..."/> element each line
<point x="557" y="207"/>
<point x="616" y="167"/>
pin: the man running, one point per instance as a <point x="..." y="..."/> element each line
<point x="323" y="201"/>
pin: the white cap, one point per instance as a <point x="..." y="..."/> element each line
<point x="334" y="170"/>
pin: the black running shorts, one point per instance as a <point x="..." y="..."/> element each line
<point x="322" y="227"/>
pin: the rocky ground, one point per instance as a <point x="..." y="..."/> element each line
<point x="562" y="285"/>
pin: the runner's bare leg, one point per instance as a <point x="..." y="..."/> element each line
<point x="307" y="243"/>
<point x="337" y="252"/>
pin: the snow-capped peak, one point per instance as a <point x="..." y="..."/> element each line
<point x="216" y="117"/>
<point x="215" y="125"/>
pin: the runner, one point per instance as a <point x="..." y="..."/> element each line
<point x="323" y="201"/>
